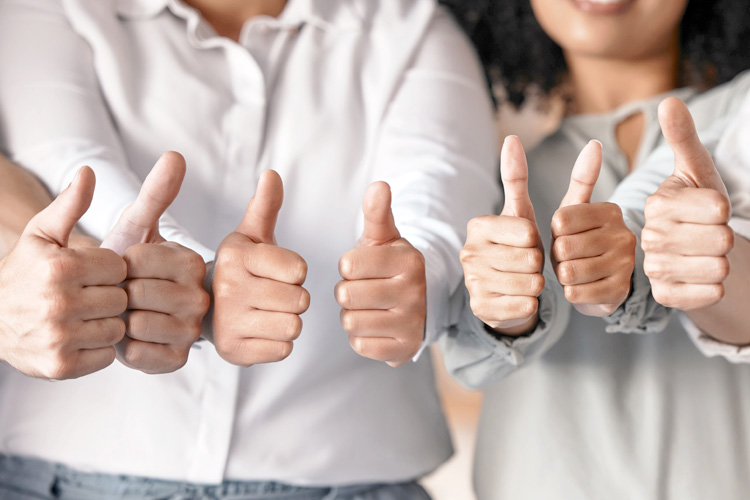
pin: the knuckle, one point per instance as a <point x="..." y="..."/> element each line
<point x="466" y="255"/>
<point x="535" y="259"/>
<point x="528" y="307"/>
<point x="651" y="241"/>
<point x="294" y="328"/>
<point x="415" y="260"/>
<point x="560" y="223"/>
<point x="362" y="347"/>
<point x="303" y="300"/>
<point x="566" y="273"/>
<point x="536" y="285"/>
<point x="299" y="274"/>
<point x="612" y="210"/>
<point x="476" y="226"/>
<point x="573" y="294"/>
<point x="662" y="294"/>
<point x="348" y="322"/>
<point x="654" y="268"/>
<point x="59" y="367"/>
<point x="343" y="294"/>
<point x="194" y="265"/>
<point x="59" y="306"/>
<point x="60" y="267"/>
<point x="721" y="207"/>
<point x="529" y="236"/>
<point x="200" y="302"/>
<point x="656" y="205"/>
<point x="723" y="268"/>
<point x="725" y="239"/>
<point x="230" y="254"/>
<point x="562" y="248"/>
<point x="134" y="354"/>
<point x="283" y="350"/>
<point x="347" y="264"/>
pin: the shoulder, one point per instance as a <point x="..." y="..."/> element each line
<point x="721" y="101"/>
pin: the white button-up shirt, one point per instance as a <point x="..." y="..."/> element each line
<point x="333" y="95"/>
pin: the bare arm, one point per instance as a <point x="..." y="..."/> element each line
<point x="22" y="196"/>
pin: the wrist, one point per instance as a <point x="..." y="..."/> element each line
<point x="208" y="279"/>
<point x="514" y="328"/>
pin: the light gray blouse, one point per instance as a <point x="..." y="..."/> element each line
<point x="609" y="415"/>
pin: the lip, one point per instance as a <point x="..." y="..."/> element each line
<point x="603" y="7"/>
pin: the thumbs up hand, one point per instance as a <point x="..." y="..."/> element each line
<point x="59" y="306"/>
<point x="502" y="258"/>
<point x="166" y="299"/>
<point x="383" y="295"/>
<point x="593" y="251"/>
<point x="257" y="285"/>
<point x="687" y="238"/>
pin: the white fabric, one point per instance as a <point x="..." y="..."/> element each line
<point x="616" y="416"/>
<point x="333" y="94"/>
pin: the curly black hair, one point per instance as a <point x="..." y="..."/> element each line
<point x="518" y="55"/>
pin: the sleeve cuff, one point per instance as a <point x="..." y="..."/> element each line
<point x="711" y="347"/>
<point x="640" y="313"/>
<point x="475" y="357"/>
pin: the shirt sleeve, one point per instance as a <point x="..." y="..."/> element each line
<point x="640" y="313"/>
<point x="475" y="357"/>
<point x="438" y="152"/>
<point x="725" y="140"/>
<point x="54" y="119"/>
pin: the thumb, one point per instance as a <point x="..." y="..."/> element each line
<point x="692" y="161"/>
<point x="584" y="176"/>
<point x="259" y="222"/>
<point x="515" y="175"/>
<point x="380" y="228"/>
<point x="139" y="223"/>
<point x="55" y="222"/>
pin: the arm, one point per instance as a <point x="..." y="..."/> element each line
<point x="694" y="259"/>
<point x="437" y="152"/>
<point x="54" y="120"/>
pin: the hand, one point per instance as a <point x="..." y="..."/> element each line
<point x="59" y="306"/>
<point x="257" y="285"/>
<point x="166" y="299"/>
<point x="593" y="251"/>
<point x="503" y="258"/>
<point x="686" y="238"/>
<point x="384" y="292"/>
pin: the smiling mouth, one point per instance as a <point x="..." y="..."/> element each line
<point x="603" y="6"/>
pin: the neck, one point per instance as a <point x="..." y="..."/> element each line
<point x="228" y="16"/>
<point x="600" y="84"/>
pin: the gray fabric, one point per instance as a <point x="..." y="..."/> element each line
<point x="31" y="479"/>
<point x="609" y="415"/>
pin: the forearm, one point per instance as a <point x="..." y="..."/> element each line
<point x="726" y="321"/>
<point x="22" y="196"/>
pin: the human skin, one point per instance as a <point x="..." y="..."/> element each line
<point x="161" y="283"/>
<point x="60" y="305"/>
<point x="623" y="52"/>
<point x="383" y="291"/>
<point x="693" y="259"/>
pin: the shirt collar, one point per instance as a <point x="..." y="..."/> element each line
<point x="326" y="14"/>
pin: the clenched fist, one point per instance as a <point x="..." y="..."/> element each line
<point x="687" y="238"/>
<point x="166" y="299"/>
<point x="257" y="285"/>
<point x="59" y="306"/>
<point x="383" y="292"/>
<point x="503" y="257"/>
<point x="593" y="251"/>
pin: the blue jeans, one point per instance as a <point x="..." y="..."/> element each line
<point x="30" y="479"/>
